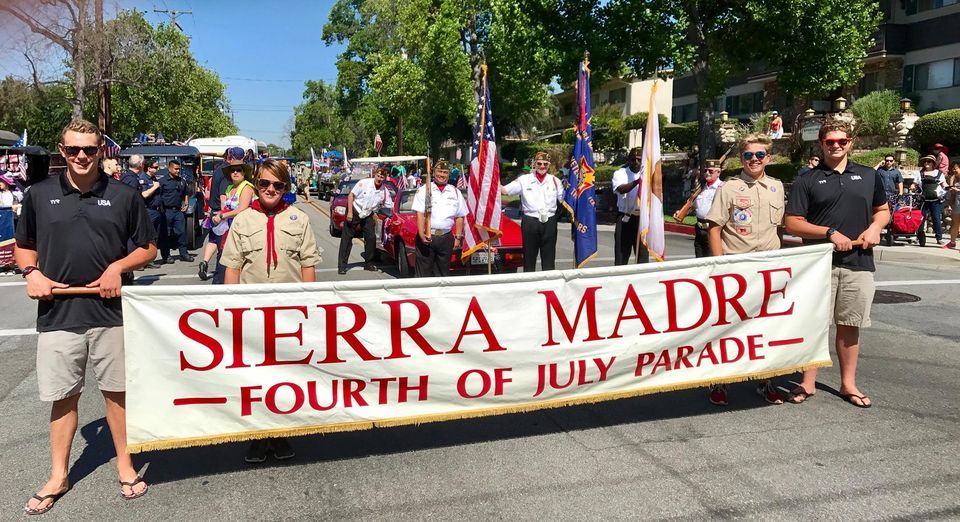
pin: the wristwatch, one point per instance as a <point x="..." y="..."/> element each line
<point x="27" y="271"/>
<point x="830" y="232"/>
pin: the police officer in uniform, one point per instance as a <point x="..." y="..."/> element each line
<point x="447" y="210"/>
<point x="626" y="183"/>
<point x="700" y="202"/>
<point x="174" y="191"/>
<point x="149" y="187"/>
<point x="539" y="193"/>
<point x="747" y="216"/>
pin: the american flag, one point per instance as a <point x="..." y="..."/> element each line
<point x="110" y="147"/>
<point x="462" y="179"/>
<point x="483" y="184"/>
<point x="22" y="142"/>
<point x="377" y="143"/>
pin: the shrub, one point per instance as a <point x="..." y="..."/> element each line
<point x="679" y="137"/>
<point x="639" y="121"/>
<point x="938" y="127"/>
<point x="873" y="112"/>
<point x="605" y="172"/>
<point x="523" y="151"/>
<point x="871" y="158"/>
<point x="785" y="172"/>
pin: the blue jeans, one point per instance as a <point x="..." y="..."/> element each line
<point x="933" y="210"/>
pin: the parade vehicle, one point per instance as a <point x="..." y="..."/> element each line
<point x="338" y="205"/>
<point x="38" y="162"/>
<point x="190" y="164"/>
<point x="397" y="234"/>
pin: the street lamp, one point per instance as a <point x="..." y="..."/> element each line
<point x="809" y="113"/>
<point x="840" y="104"/>
<point x="905" y="105"/>
<point x="724" y="116"/>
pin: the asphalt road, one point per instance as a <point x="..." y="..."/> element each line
<point x="665" y="456"/>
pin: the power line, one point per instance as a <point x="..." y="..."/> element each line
<point x="273" y="80"/>
<point x="173" y="15"/>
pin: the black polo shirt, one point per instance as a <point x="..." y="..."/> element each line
<point x="218" y="187"/>
<point x="130" y="179"/>
<point x="172" y="190"/>
<point x="144" y="183"/>
<point x="843" y="201"/>
<point x="76" y="237"/>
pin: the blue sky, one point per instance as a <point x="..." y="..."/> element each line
<point x="263" y="51"/>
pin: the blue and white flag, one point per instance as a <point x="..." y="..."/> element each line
<point x="580" y="194"/>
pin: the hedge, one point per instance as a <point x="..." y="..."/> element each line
<point x="873" y="112"/>
<point x="873" y="157"/>
<point x="639" y="121"/>
<point x="785" y="172"/>
<point x="522" y="152"/>
<point x="681" y="137"/>
<point x="938" y="127"/>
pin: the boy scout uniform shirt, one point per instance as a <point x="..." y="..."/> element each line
<point x="246" y="246"/>
<point x="447" y="205"/>
<point x="535" y="195"/>
<point x="750" y="211"/>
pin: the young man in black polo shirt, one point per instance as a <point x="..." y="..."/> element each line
<point x="841" y="202"/>
<point x="73" y="231"/>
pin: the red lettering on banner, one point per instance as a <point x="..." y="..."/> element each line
<point x="270" y="335"/>
<point x="769" y="291"/>
<point x="247" y="398"/>
<point x="404" y="388"/>
<point x="384" y="387"/>
<point x="673" y="309"/>
<point x="683" y="357"/>
<point x="216" y="350"/>
<point x="547" y="374"/>
<point x="351" y="392"/>
<point x="474" y="310"/>
<point x="236" y="319"/>
<point x="725" y="354"/>
<point x="312" y="395"/>
<point x="270" y="400"/>
<point x="707" y="352"/>
<point x="642" y="360"/>
<point x="350" y="335"/>
<point x="484" y="383"/>
<point x="639" y="313"/>
<point x="753" y="344"/>
<point x="588" y="301"/>
<point x="396" y="329"/>
<point x="734" y="301"/>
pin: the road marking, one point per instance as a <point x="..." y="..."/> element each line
<point x="920" y="282"/>
<point x="17" y="332"/>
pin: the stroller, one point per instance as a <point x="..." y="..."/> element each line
<point x="907" y="220"/>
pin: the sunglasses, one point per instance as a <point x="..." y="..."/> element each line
<point x="543" y="163"/>
<point x="843" y="142"/>
<point x="279" y="186"/>
<point x="759" y="154"/>
<point x="74" y="151"/>
<point x="237" y="168"/>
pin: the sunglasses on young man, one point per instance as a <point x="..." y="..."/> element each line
<point x="277" y="185"/>
<point x="74" y="151"/>
<point x="543" y="163"/>
<point x="759" y="154"/>
<point x="843" y="142"/>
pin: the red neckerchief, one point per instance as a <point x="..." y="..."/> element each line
<point x="540" y="177"/>
<point x="439" y="186"/>
<point x="271" y="239"/>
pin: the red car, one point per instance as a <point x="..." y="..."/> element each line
<point x="338" y="204"/>
<point x="396" y="239"/>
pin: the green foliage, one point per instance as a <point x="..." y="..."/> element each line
<point x="42" y="112"/>
<point x="523" y="152"/>
<point x="605" y="172"/>
<point x="679" y="137"/>
<point x="639" y="121"/>
<point x="873" y="112"/>
<point x="317" y="123"/>
<point x="785" y="171"/>
<point x="938" y="127"/>
<point x="871" y="158"/>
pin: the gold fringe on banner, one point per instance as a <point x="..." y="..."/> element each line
<point x="459" y="415"/>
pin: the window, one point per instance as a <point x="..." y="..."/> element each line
<point x="933" y="75"/>
<point x="684" y="113"/>
<point x="918" y="6"/>
<point x="869" y="83"/>
<point x="745" y="104"/>
<point x="618" y="96"/>
<point x="594" y="100"/>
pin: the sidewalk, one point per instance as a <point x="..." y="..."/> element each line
<point x="900" y="252"/>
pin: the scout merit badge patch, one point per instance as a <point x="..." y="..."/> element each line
<point x="741" y="215"/>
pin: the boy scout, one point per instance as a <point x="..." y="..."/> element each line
<point x="746" y="216"/>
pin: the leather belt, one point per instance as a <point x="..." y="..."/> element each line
<point x="438" y="232"/>
<point x="703" y="224"/>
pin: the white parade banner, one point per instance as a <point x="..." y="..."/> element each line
<point x="208" y="364"/>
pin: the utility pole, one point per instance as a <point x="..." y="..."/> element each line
<point x="173" y="16"/>
<point x="104" y="108"/>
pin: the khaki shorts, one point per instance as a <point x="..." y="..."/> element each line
<point x="62" y="357"/>
<point x="851" y="294"/>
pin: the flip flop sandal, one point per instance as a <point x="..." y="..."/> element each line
<point x="863" y="400"/>
<point x="801" y="394"/>
<point x="131" y="485"/>
<point x="55" y="497"/>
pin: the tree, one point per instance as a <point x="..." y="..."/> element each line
<point x="815" y="45"/>
<point x="44" y="110"/>
<point x="317" y="122"/>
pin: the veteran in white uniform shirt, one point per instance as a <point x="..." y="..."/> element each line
<point x="540" y="192"/>
<point x="447" y="210"/>
<point x="626" y="183"/>
<point x="367" y="197"/>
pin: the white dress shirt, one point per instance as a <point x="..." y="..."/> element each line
<point x="367" y="198"/>
<point x="626" y="203"/>
<point x="705" y="199"/>
<point x="447" y="205"/>
<point x="536" y="195"/>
